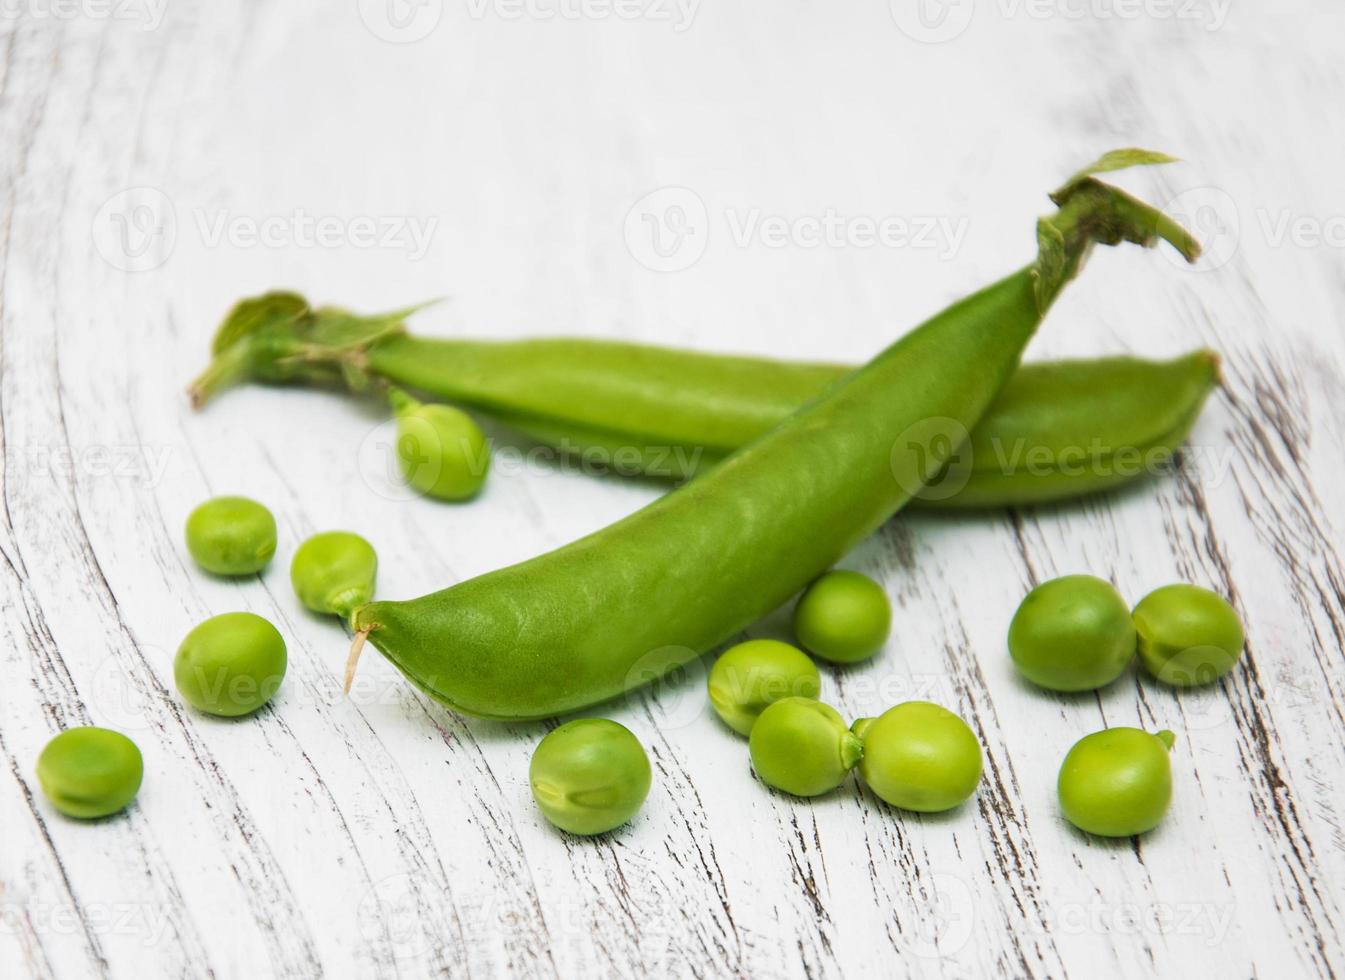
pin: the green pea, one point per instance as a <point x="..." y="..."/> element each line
<point x="589" y="776"/>
<point x="442" y="451"/>
<point x="1117" y="782"/>
<point x="90" y="772"/>
<point x="333" y="572"/>
<point x="231" y="536"/>
<point x="843" y="617"/>
<point x="753" y="675"/>
<point x="919" y="756"/>
<point x="802" y="746"/>
<point x="231" y="664"/>
<point x="1187" y="635"/>
<point x="1072" y="634"/>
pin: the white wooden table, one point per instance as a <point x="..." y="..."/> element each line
<point x="160" y="160"/>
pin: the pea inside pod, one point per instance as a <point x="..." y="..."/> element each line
<point x="90" y="772"/>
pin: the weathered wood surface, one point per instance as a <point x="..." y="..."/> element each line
<point x="382" y="836"/>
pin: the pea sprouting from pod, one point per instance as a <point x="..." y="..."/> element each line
<point x="231" y="536"/>
<point x="919" y="756"/>
<point x="1117" y="782"/>
<point x="590" y="776"/>
<point x="751" y="676"/>
<point x="90" y="772"/>
<point x="1187" y="635"/>
<point x="441" y="450"/>
<point x="803" y="747"/>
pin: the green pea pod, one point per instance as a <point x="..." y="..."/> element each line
<point x="625" y="604"/>
<point x="1058" y="430"/>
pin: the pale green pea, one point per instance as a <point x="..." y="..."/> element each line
<point x="90" y="772"/>
<point x="843" y="617"/>
<point x="589" y="776"/>
<point x="230" y="664"/>
<point x="1072" y="633"/>
<point x="1117" y="782"/>
<point x="442" y="451"/>
<point x="803" y="747"/>
<point x="333" y="572"/>
<point x="231" y="536"/>
<point x="749" y="677"/>
<point x="919" y="756"/>
<point x="1187" y="635"/>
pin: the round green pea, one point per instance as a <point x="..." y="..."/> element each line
<point x="442" y="451"/>
<point x="1117" y="782"/>
<point x="802" y="746"/>
<point x="231" y="536"/>
<point x="843" y="617"/>
<point x="919" y="756"/>
<point x="231" y="664"/>
<point x="589" y="776"/>
<point x="755" y="674"/>
<point x="1072" y="634"/>
<point x="1187" y="635"/>
<point x="90" y="772"/>
<point x="334" y="572"/>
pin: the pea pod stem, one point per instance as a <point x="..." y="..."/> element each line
<point x="626" y="604"/>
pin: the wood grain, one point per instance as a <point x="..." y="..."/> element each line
<point x="157" y="161"/>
